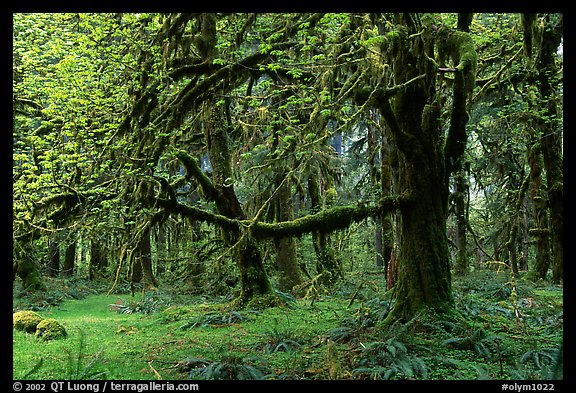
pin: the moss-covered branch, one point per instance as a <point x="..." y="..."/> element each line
<point x="338" y="217"/>
<point x="194" y="170"/>
<point x="461" y="48"/>
<point x="335" y="218"/>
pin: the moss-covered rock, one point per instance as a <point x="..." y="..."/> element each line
<point x="26" y="321"/>
<point x="50" y="329"/>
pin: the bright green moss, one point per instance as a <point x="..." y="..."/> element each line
<point x="50" y="329"/>
<point x="26" y="321"/>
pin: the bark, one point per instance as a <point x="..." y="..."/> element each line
<point x="98" y="261"/>
<point x="53" y="258"/>
<point x="69" y="260"/>
<point x="254" y="280"/>
<point x="540" y="211"/>
<point x="552" y="144"/>
<point x="286" y="259"/>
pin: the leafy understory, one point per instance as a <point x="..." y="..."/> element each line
<point x="328" y="338"/>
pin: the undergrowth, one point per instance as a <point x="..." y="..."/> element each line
<point x="507" y="328"/>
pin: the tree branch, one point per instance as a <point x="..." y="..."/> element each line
<point x="335" y="218"/>
<point x="193" y="170"/>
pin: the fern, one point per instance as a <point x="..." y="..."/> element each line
<point x="34" y="369"/>
<point x="213" y="319"/>
<point x="287" y="298"/>
<point x="340" y="334"/>
<point x="541" y="358"/>
<point x="476" y="341"/>
<point x="481" y="373"/>
<point x="385" y="360"/>
<point x="278" y="339"/>
<point x="144" y="306"/>
<point x="229" y="368"/>
<point x="76" y="370"/>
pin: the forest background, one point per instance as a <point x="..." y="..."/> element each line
<point x="259" y="156"/>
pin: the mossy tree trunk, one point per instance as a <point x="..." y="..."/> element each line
<point x="551" y="132"/>
<point x="29" y="271"/>
<point x="254" y="280"/>
<point x="53" y="267"/>
<point x="425" y="164"/>
<point x="541" y="229"/>
<point x="379" y="163"/>
<point x="424" y="278"/>
<point x="542" y="36"/>
<point x="326" y="262"/>
<point x="145" y="254"/>
<point x="461" y="191"/>
<point x="286" y="259"/>
<point x="98" y="261"/>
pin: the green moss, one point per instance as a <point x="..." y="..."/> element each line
<point x="30" y="274"/>
<point x="50" y="329"/>
<point x="26" y="321"/>
<point x="265" y="301"/>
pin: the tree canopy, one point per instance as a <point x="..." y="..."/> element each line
<point x="271" y="126"/>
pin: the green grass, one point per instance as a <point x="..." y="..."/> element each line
<point x="290" y="342"/>
<point x="132" y="346"/>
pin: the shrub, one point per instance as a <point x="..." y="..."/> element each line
<point x="26" y="321"/>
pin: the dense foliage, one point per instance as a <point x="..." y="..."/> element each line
<point x="271" y="157"/>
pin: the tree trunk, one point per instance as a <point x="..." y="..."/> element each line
<point x="424" y="167"/>
<point x="145" y="254"/>
<point x="424" y="278"/>
<point x="552" y="141"/>
<point x="286" y="259"/>
<point x="254" y="280"/>
<point x="540" y="213"/>
<point x="135" y="269"/>
<point x="28" y="270"/>
<point x="69" y="260"/>
<point x="379" y="245"/>
<point x="326" y="263"/>
<point x="98" y="261"/>
<point x="460" y="209"/>
<point x="53" y="258"/>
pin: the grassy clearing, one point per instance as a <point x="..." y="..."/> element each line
<point x="509" y="329"/>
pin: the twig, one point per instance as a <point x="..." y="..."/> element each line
<point x="158" y="376"/>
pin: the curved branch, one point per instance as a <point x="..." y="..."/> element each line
<point x="335" y="218"/>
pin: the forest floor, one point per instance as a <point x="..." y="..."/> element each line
<point x="512" y="329"/>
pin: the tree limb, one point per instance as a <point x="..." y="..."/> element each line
<point x="335" y="218"/>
